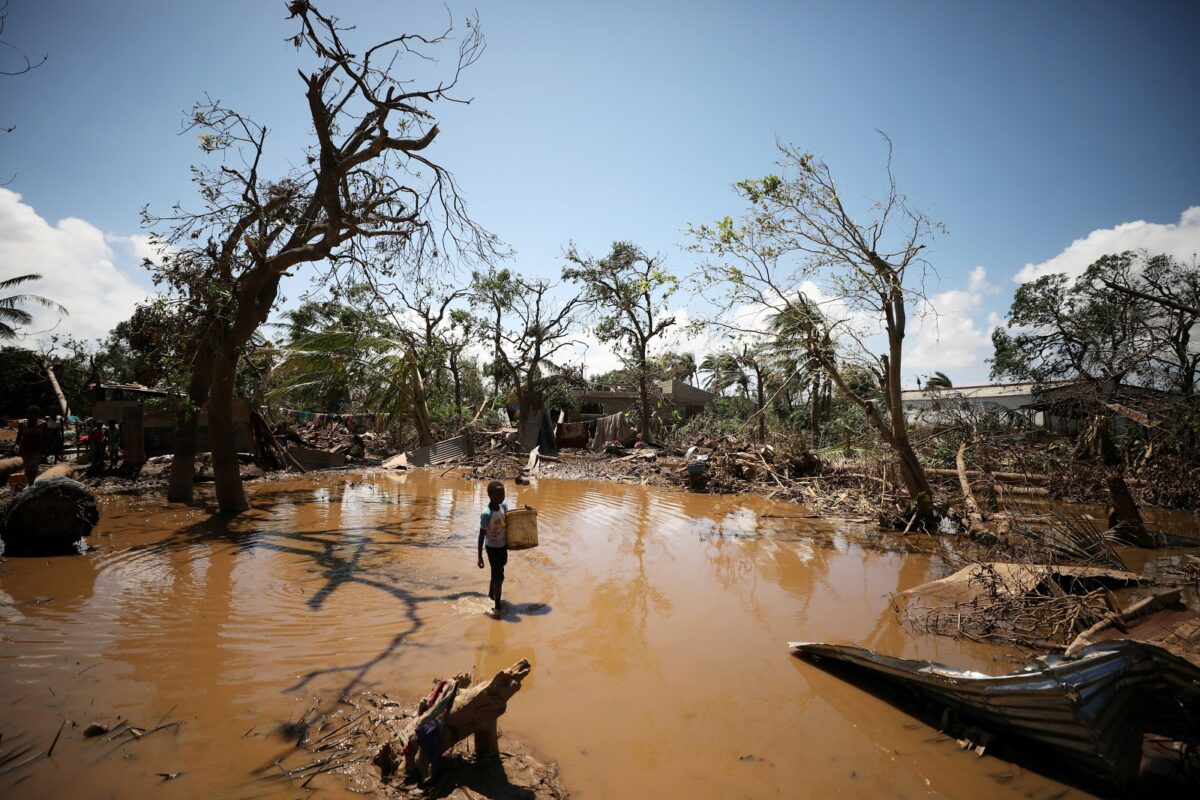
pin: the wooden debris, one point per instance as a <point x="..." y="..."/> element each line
<point x="1123" y="619"/>
<point x="975" y="518"/>
<point x="8" y="466"/>
<point x="398" y="461"/>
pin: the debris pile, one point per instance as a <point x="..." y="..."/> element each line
<point x="1043" y="606"/>
<point x="392" y="750"/>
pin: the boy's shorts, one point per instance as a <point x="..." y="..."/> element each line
<point x="497" y="558"/>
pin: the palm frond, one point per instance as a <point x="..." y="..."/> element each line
<point x="18" y="280"/>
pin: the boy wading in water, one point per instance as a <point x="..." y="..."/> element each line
<point x="493" y="528"/>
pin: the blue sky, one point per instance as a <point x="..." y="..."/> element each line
<point x="1023" y="126"/>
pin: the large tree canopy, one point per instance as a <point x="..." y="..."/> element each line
<point x="1130" y="316"/>
<point x="365" y="177"/>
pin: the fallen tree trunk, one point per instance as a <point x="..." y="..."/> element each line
<point x="1125" y="517"/>
<point x="974" y="515"/>
<point x="1036" y="491"/>
<point x="484" y="406"/>
<point x="62" y="398"/>
<point x="1126" y="618"/>
<point x="64" y="469"/>
<point x="1034" y="478"/>
<point x="476" y="710"/>
<point x="10" y="465"/>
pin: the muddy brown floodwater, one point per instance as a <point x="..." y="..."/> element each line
<point x="655" y="621"/>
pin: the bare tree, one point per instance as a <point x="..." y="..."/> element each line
<point x="798" y="233"/>
<point x="364" y="178"/>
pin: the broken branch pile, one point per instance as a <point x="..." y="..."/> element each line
<point x="1039" y="606"/>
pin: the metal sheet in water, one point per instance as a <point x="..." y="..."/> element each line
<point x="1090" y="713"/>
<point x="439" y="452"/>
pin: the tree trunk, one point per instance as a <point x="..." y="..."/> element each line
<point x="474" y="712"/>
<point x="227" y="479"/>
<point x="1125" y="516"/>
<point x="456" y="375"/>
<point x="913" y="474"/>
<point x="62" y="398"/>
<point x="814" y="418"/>
<point x="916" y="483"/>
<point x="183" y="465"/>
<point x="255" y="297"/>
<point x="644" y="395"/>
<point x="8" y="466"/>
<point x="915" y="479"/>
<point x="975" y="518"/>
<point x="762" y="406"/>
<point x="420" y="404"/>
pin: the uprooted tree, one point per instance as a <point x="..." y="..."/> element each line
<point x="627" y="293"/>
<point x="798" y="231"/>
<point x="364" y="177"/>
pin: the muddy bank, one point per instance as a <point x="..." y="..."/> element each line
<point x="654" y="621"/>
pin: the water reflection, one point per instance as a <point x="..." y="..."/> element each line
<point x="655" y="623"/>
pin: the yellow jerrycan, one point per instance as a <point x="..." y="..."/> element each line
<point x="522" y="528"/>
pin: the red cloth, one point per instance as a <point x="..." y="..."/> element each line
<point x="33" y="439"/>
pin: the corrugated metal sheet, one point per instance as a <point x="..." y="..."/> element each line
<point x="1090" y="714"/>
<point x="311" y="458"/>
<point x="438" y="452"/>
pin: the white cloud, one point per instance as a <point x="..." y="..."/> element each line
<point x="979" y="283"/>
<point x="595" y="356"/>
<point x="1181" y="240"/>
<point x="140" y="245"/>
<point x="946" y="336"/>
<point x="77" y="266"/>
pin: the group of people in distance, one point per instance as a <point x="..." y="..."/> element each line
<point x="41" y="439"/>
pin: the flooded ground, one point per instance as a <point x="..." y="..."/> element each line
<point x="656" y="623"/>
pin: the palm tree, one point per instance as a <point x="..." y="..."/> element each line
<point x="726" y="368"/>
<point x="939" y="381"/>
<point x="11" y="315"/>
<point x="802" y="343"/>
<point x="377" y="374"/>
